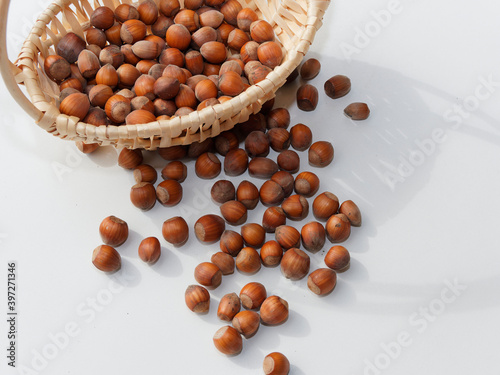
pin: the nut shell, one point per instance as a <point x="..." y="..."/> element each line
<point x="248" y="194"/>
<point x="143" y="195"/>
<point x="260" y="167"/>
<point x="252" y="295"/>
<point x="295" y="264"/>
<point x="313" y="236"/>
<point x="320" y="154"/>
<point x="276" y="364"/>
<point x="228" y="341"/>
<point x="322" y="281"/>
<point x="113" y="231"/>
<point x="234" y="212"/>
<point x="325" y="205"/>
<point x="274" y="311"/>
<point x="208" y="275"/>
<point x="209" y="228"/>
<point x="271" y="193"/>
<point x="207" y="166"/>
<point x="229" y="306"/>
<point x="246" y="323"/>
<point x="231" y="242"/>
<point x="169" y="193"/>
<point x="337" y="86"/>
<point x="175" y="231"/>
<point x="300" y="137"/>
<point x="295" y="207"/>
<point x="288" y="237"/>
<point x="338" y="258"/>
<point x="273" y="218"/>
<point x="224" y="261"/>
<point x="351" y="210"/>
<point x="197" y="299"/>
<point x="150" y="250"/>
<point x="306" y="184"/>
<point x="235" y="162"/>
<point x="253" y="234"/>
<point x="338" y="228"/>
<point x="271" y="253"/>
<point x="106" y="258"/>
<point x="223" y="191"/>
<point x="248" y="260"/>
<point x="307" y="97"/>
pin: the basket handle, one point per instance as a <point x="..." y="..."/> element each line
<point x="7" y="69"/>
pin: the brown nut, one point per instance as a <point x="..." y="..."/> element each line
<point x="357" y="111"/>
<point x="70" y="46"/>
<point x="209" y="228"/>
<point x="102" y="18"/>
<point x="197" y="299"/>
<point x="166" y="88"/>
<point x="148" y="12"/>
<point x="207" y="166"/>
<point x="278" y="118"/>
<point x="270" y="54"/>
<point x="320" y="154"/>
<point x="252" y="295"/>
<point x="295" y="264"/>
<point x="306" y="184"/>
<point x="274" y="311"/>
<point x="208" y="275"/>
<point x="132" y="31"/>
<point x="76" y="105"/>
<point x="117" y="108"/>
<point x="248" y="194"/>
<point x="228" y="341"/>
<point x="143" y="196"/>
<point x="169" y="8"/>
<point x="86" y="148"/>
<point x="96" y="37"/>
<point x="57" y="68"/>
<point x="235" y="162"/>
<point x="198" y="148"/>
<point x="300" y="137"/>
<point x="106" y="259"/>
<point x="99" y="95"/>
<point x="322" y="281"/>
<point x="295" y="207"/>
<point x="289" y="161"/>
<point x="286" y="181"/>
<point x="253" y="234"/>
<point x="261" y="31"/>
<point x="175" y="170"/>
<point x="188" y="18"/>
<point x="338" y="228"/>
<point x="279" y="139"/>
<point x="229" y="306"/>
<point x="313" y="236"/>
<point x="230" y="9"/>
<point x="248" y="260"/>
<point x="246" y="323"/>
<point x="245" y="17"/>
<point x="260" y="167"/>
<point x="223" y="191"/>
<point x="273" y="218"/>
<point x="288" y="237"/>
<point x="173" y="152"/>
<point x="231" y="242"/>
<point x="140" y="116"/>
<point x="224" y="261"/>
<point x="108" y="76"/>
<point x="169" y="193"/>
<point x="325" y="205"/>
<point x="234" y="212"/>
<point x="276" y="364"/>
<point x="212" y="18"/>
<point x="175" y="231"/>
<point x="338" y="258"/>
<point x="337" y="86"/>
<point x="113" y="231"/>
<point x="178" y="36"/>
<point x="352" y="212"/>
<point x="226" y="142"/>
<point x="257" y="144"/>
<point x="271" y="193"/>
<point x="124" y="12"/>
<point x="150" y="250"/>
<point x="271" y="253"/>
<point x="307" y="97"/>
<point x="310" y="69"/>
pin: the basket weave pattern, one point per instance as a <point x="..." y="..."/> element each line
<point x="295" y="23"/>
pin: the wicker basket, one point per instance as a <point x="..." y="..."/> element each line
<point x="295" y="23"/>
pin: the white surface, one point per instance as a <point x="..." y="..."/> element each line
<point x="439" y="223"/>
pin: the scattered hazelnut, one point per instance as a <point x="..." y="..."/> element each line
<point x="252" y="295"/>
<point x="325" y="205"/>
<point x="271" y="193"/>
<point x="300" y="137"/>
<point x="113" y="231"/>
<point x="150" y="250"/>
<point x="320" y="154"/>
<point x="295" y="207"/>
<point x="289" y="161"/>
<point x="248" y="194"/>
<point x="351" y="210"/>
<point x="223" y="191"/>
<point x="145" y="173"/>
<point x="253" y="234"/>
<point x="273" y="218"/>
<point x="234" y="212"/>
<point x="337" y="86"/>
<point x="322" y="281"/>
<point x="207" y="166"/>
<point x="306" y="184"/>
<point x="228" y="341"/>
<point x="235" y="162"/>
<point x="274" y="311"/>
<point x="260" y="167"/>
<point x="287" y="236"/>
<point x="208" y="274"/>
<point x="175" y="231"/>
<point x="276" y="364"/>
<point x="209" y="228"/>
<point x="286" y="181"/>
<point x="313" y="236"/>
<point x="231" y="242"/>
<point x="307" y="97"/>
<point x="169" y="193"/>
<point x="175" y="170"/>
<point x="338" y="228"/>
<point x="224" y="261"/>
<point x="271" y="253"/>
<point x="143" y="195"/>
<point x="338" y="258"/>
<point x="226" y="142"/>
<point x="197" y="299"/>
<point x="106" y="258"/>
<point x="357" y="111"/>
<point x="278" y="118"/>
<point x="248" y="260"/>
<point x="279" y="139"/>
<point x="229" y="306"/>
<point x="246" y="323"/>
<point x="310" y="69"/>
<point x="295" y="264"/>
<point x="257" y="144"/>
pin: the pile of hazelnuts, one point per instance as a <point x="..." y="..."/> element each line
<point x="156" y="61"/>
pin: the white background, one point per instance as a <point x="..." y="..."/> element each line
<point x="437" y="224"/>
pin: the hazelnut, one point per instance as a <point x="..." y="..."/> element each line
<point x="256" y="72"/>
<point x="313" y="236"/>
<point x="113" y="35"/>
<point x="230" y="9"/>
<point x="208" y="275"/>
<point x="295" y="264"/>
<point x="174" y="57"/>
<point x="255" y="122"/>
<point x="70" y="46"/>
<point x="226" y="142"/>
<point x="235" y="162"/>
<point x="198" y="148"/>
<point x="156" y="71"/>
<point x="207" y="166"/>
<point x="230" y="83"/>
<point x="234" y="212"/>
<point x="276" y="364"/>
<point x="173" y="152"/>
<point x="293" y="76"/>
<point x="261" y="31"/>
<point x="274" y="311"/>
<point x="306" y="184"/>
<point x="76" y="105"/>
<point x="96" y="37"/>
<point x="223" y="191"/>
<point x="295" y="207"/>
<point x="337" y="86"/>
<point x="248" y="51"/>
<point x="102" y="18"/>
<point x="144" y="86"/>
<point x="150" y="250"/>
<point x="357" y="111"/>
<point x="205" y="89"/>
<point x="338" y="258"/>
<point x="245" y="18"/>
<point x="175" y="231"/>
<point x="56" y="68"/>
<point x="107" y="76"/>
<point x="289" y="161"/>
<point x="271" y="253"/>
<point x="175" y="170"/>
<point x="279" y="139"/>
<point x="248" y="194"/>
<point x="143" y="196"/>
<point x="214" y="52"/>
<point x="117" y="108"/>
<point x="271" y="193"/>
<point x="113" y="231"/>
<point x="322" y="281"/>
<point x="252" y="295"/>
<point x="124" y="12"/>
<point x="231" y="65"/>
<point x="325" y="205"/>
<point x="320" y="154"/>
<point x="86" y="148"/>
<point x="307" y="97"/>
<point x="88" y="64"/>
<point x="248" y="260"/>
<point x="229" y="306"/>
<point x="204" y="35"/>
<point x="246" y="323"/>
<point x="106" y="259"/>
<point x="132" y="31"/>
<point x="260" y="167"/>
<point x="224" y="261"/>
<point x="300" y="137"/>
<point x="338" y="228"/>
<point x="193" y="4"/>
<point x="178" y="36"/>
<point x="99" y="95"/>
<point x="212" y="18"/>
<point x="231" y="242"/>
<point x="169" y="8"/>
<point x="237" y="39"/>
<point x="273" y="218"/>
<point x="253" y="234"/>
<point x="112" y="55"/>
<point x="270" y="54"/>
<point x="228" y="341"/>
<point x="257" y="144"/>
<point x="288" y="237"/>
<point x="286" y="181"/>
<point x="140" y="116"/>
<point x="73" y="83"/>
<point x="130" y="159"/>
<point x="185" y="97"/>
<point x="169" y="193"/>
<point x="278" y="118"/>
<point x="310" y="69"/>
<point x="197" y="299"/>
<point x="209" y="228"/>
<point x="148" y="12"/>
<point x="188" y="18"/>
<point x="96" y="116"/>
<point x="351" y="210"/>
